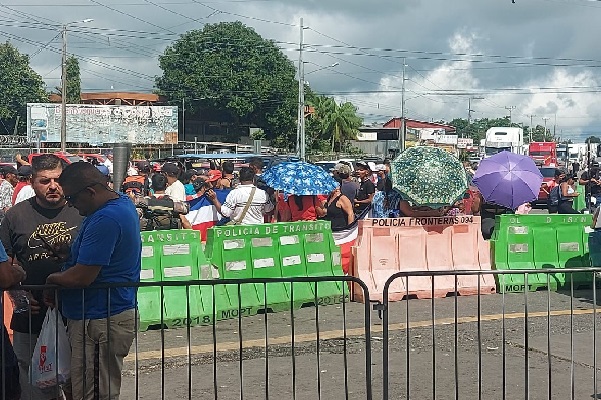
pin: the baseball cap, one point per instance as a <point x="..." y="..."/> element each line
<point x="344" y="169"/>
<point x="104" y="170"/>
<point x="214" y="175"/>
<point x="170" y="168"/>
<point x="8" y="169"/>
<point x="337" y="167"/>
<point x="380" y="167"/>
<point x="362" y="165"/>
<point x="372" y="166"/>
<point x="143" y="166"/>
<point x="24" y="170"/>
<point x="189" y="173"/>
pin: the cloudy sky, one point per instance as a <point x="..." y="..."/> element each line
<point x="538" y="58"/>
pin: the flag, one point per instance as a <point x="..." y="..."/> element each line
<point x="346" y="238"/>
<point x="203" y="214"/>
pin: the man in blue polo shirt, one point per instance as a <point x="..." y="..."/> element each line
<point x="107" y="250"/>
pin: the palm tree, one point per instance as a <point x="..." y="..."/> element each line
<point x="342" y="123"/>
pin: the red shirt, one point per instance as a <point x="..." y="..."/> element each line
<point x="20" y="185"/>
<point x="307" y="213"/>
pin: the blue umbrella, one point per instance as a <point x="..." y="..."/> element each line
<point x="299" y="178"/>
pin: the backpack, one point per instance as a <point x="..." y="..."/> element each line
<point x="554" y="196"/>
<point x="135" y="184"/>
<point x="160" y="213"/>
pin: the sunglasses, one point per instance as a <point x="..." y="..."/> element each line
<point x="73" y="197"/>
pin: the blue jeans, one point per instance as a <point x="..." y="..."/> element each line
<point x="594" y="247"/>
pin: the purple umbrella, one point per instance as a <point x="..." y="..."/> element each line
<point x="508" y="179"/>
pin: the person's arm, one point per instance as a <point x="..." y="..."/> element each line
<point x="283" y="209"/>
<point x="185" y="223"/>
<point x="95" y="251"/>
<point x="582" y="179"/>
<point x="408" y="211"/>
<point x="80" y="275"/>
<point x="347" y="207"/>
<point x="226" y="209"/>
<point x="10" y="274"/>
<point x="595" y="216"/>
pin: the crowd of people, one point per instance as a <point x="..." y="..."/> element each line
<point x="65" y="225"/>
<point x="72" y="231"/>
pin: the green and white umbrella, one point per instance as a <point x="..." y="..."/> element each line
<point x="429" y="176"/>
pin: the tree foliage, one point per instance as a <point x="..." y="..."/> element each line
<point x="230" y="72"/>
<point x="592" y="139"/>
<point x="19" y="85"/>
<point x="73" y="81"/>
<point x="332" y="125"/>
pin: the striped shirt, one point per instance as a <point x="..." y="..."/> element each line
<point x="236" y="201"/>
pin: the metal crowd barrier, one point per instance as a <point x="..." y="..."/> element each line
<point x="510" y="345"/>
<point x="535" y="345"/>
<point x="271" y="355"/>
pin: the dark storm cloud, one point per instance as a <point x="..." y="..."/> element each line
<point x="119" y="50"/>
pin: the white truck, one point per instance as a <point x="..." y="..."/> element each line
<point x="502" y="138"/>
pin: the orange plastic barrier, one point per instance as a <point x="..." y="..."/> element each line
<point x="390" y="245"/>
<point x="8" y="314"/>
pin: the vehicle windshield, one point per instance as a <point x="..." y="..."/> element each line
<point x="540" y="153"/>
<point x="562" y="154"/>
<point x="547" y="172"/>
<point x="491" y="151"/>
<point x="327" y="166"/>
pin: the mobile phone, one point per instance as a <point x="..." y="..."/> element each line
<point x="48" y="245"/>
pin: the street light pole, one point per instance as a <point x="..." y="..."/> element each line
<point x="64" y="91"/>
<point x="64" y="84"/>
<point x="545" y="119"/>
<point x="301" y="94"/>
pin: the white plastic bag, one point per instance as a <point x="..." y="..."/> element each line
<point x="46" y="360"/>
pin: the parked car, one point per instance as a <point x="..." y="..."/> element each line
<point x="67" y="157"/>
<point x="548" y="176"/>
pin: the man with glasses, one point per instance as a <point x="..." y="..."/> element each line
<point x="107" y="250"/>
<point x="27" y="232"/>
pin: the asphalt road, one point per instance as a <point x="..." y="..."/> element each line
<point x="471" y="348"/>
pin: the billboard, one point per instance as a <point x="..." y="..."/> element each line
<point x="99" y="124"/>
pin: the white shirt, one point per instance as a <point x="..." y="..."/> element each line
<point x="25" y="193"/>
<point x="236" y="201"/>
<point x="176" y="191"/>
<point x="109" y="164"/>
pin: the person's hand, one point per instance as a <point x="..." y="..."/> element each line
<point x="211" y="195"/>
<point x="18" y="157"/>
<point x="59" y="252"/>
<point x="18" y="272"/>
<point x="34" y="305"/>
<point x="49" y="298"/>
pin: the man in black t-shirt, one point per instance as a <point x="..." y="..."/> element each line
<point x="367" y="189"/>
<point x="28" y="229"/>
<point x="592" y="184"/>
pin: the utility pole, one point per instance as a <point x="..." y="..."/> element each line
<point x="403" y="127"/>
<point x="554" y="126"/>
<point x="64" y="91"/>
<point x="510" y="108"/>
<point x="300" y="131"/>
<point x="469" y="109"/>
<point x="531" y="127"/>
<point x="546" y="119"/>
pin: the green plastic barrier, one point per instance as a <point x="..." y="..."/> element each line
<point x="277" y="250"/>
<point x="580" y="201"/>
<point x="540" y="241"/>
<point x="149" y="298"/>
<point x="178" y="251"/>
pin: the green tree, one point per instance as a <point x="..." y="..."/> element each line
<point x="229" y="73"/>
<point x="342" y="124"/>
<point x="73" y="81"/>
<point x="19" y="85"/>
<point x="592" y="139"/>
